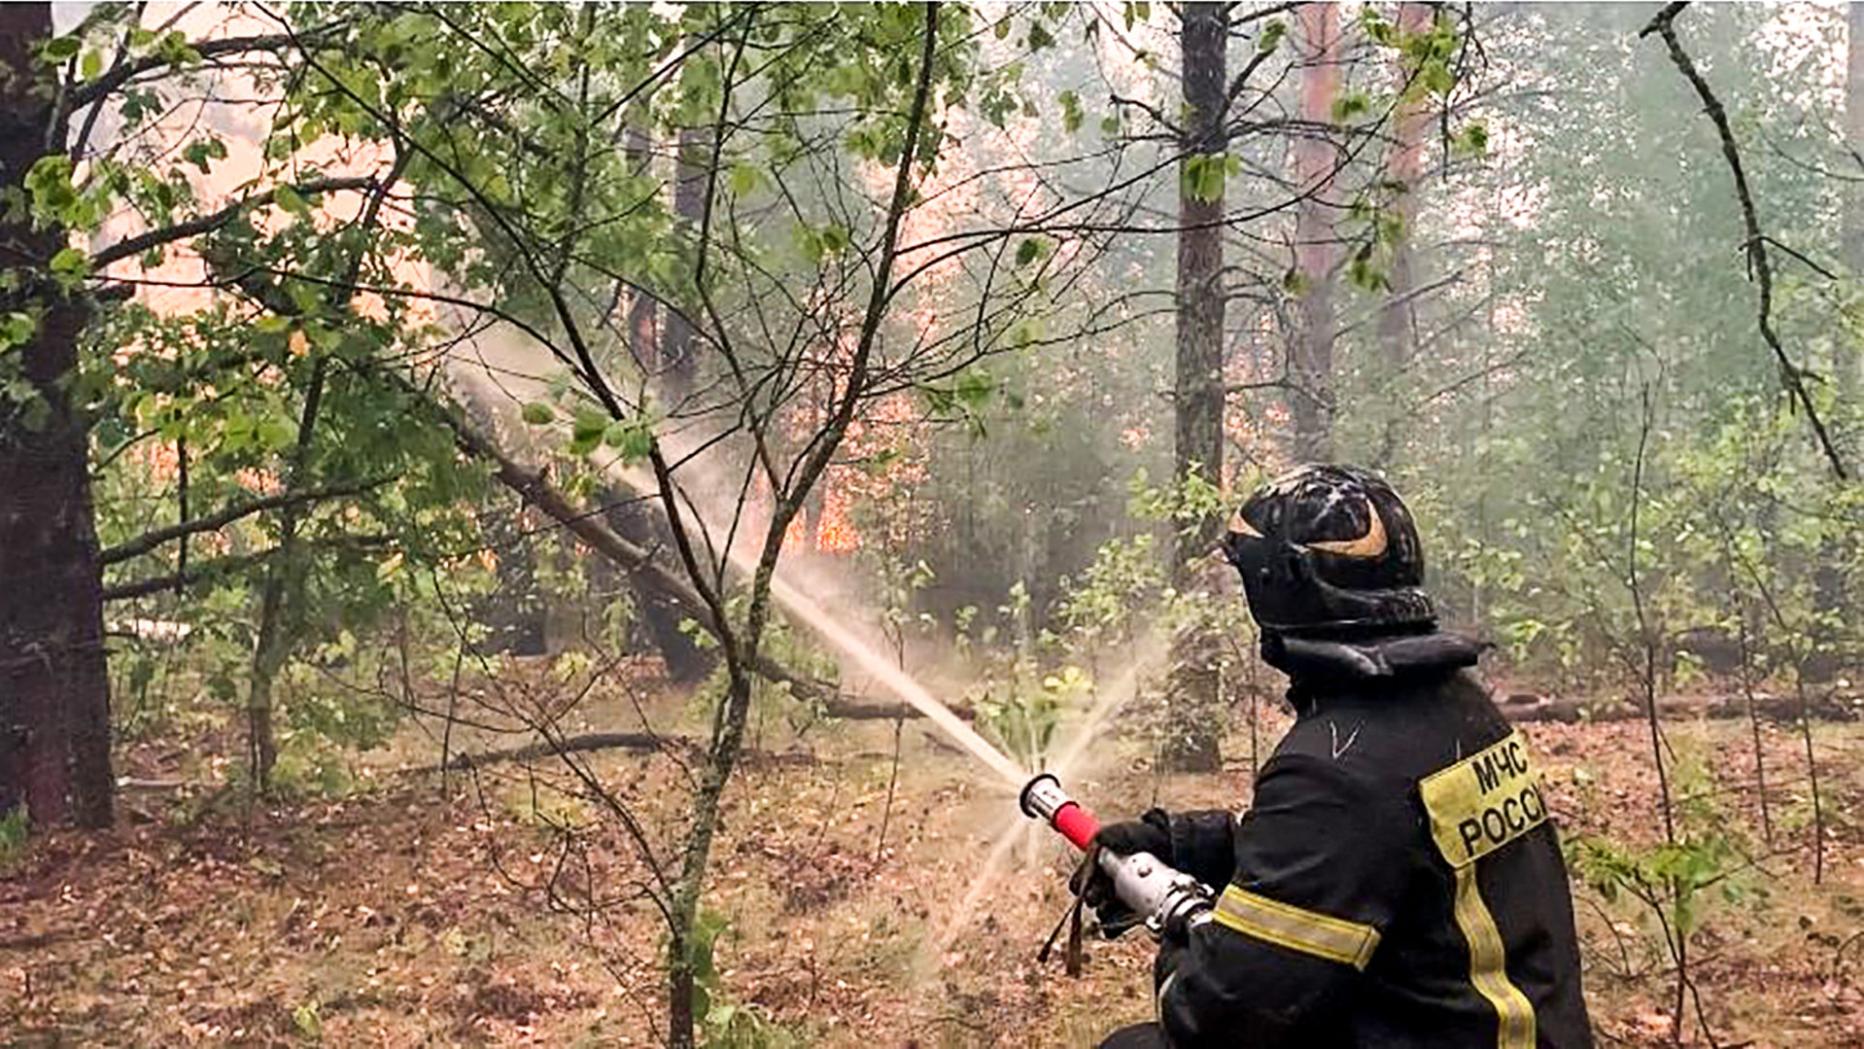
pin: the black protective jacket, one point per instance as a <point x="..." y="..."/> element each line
<point x="1397" y="881"/>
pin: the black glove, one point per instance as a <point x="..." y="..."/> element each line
<point x="1151" y="833"/>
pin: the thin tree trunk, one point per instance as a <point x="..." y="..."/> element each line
<point x="741" y="649"/>
<point x="1194" y="715"/>
<point x="54" y="684"/>
<point x="1316" y="248"/>
<point x="1753" y="717"/>
<point x="281" y="600"/>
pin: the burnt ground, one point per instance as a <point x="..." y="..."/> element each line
<point x="423" y="910"/>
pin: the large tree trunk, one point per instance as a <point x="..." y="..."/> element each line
<point x="1316" y="248"/>
<point x="640" y="522"/>
<point x="1404" y="166"/>
<point x="1851" y="368"/>
<point x="1829" y="577"/>
<point x="678" y="358"/>
<point x="54" y="689"/>
<point x="1193" y="724"/>
<point x="669" y="364"/>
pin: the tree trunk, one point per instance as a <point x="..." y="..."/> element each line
<point x="1316" y="248"/>
<point x="514" y="613"/>
<point x="642" y="341"/>
<point x="678" y="357"/>
<point x="54" y="688"/>
<point x="281" y="600"/>
<point x="1404" y="166"/>
<point x="1854" y="139"/>
<point x="1194" y="714"/>
<point x="1829" y="577"/>
<point x="668" y="364"/>
<point x="640" y="522"/>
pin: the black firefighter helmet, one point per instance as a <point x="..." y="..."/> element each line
<point x="1330" y="551"/>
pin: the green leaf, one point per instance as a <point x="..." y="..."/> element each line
<point x="744" y="179"/>
<point x="276" y="432"/>
<point x="91" y="64"/>
<point x="587" y="430"/>
<point x="1472" y="141"/>
<point x="631" y="437"/>
<point x="60" y="48"/>
<point x="16" y="329"/>
<point x="291" y="200"/>
<point x="537" y="413"/>
<point x="974" y="388"/>
<point x="49" y="182"/>
<point x="1070" y="111"/>
<point x="1351" y="104"/>
<point x="1204" y="175"/>
<point x="202" y="152"/>
<point x="70" y="265"/>
<point x="1030" y="250"/>
<point x="1271" y="37"/>
<point x="834" y="238"/>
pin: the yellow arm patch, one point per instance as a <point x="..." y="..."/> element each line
<point x="1484" y="801"/>
<point x="1297" y="929"/>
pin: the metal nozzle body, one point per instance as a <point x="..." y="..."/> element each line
<point x="1167" y="897"/>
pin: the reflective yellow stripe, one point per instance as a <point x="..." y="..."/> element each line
<point x="1284" y="925"/>
<point x="1488" y="964"/>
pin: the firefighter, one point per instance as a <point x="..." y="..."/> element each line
<point x="1397" y="881"/>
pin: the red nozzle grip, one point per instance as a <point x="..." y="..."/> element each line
<point x="1076" y="824"/>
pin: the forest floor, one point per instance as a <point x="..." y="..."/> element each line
<point x="431" y="910"/>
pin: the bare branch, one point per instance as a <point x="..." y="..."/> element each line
<point x="148" y="541"/>
<point x="1761" y="265"/>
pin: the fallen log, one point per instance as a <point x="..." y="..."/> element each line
<point x="1527" y="707"/>
<point x="567" y="745"/>
<point x="589" y="741"/>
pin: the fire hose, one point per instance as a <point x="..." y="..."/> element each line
<point x="1166" y="898"/>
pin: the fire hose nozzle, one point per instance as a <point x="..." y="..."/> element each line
<point x="1168" y="899"/>
<point x="1043" y="799"/>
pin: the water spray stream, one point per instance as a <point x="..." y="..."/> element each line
<point x="863" y="656"/>
<point x="1110" y="700"/>
<point x="895" y="680"/>
<point x="1014" y="831"/>
<point x="480" y="381"/>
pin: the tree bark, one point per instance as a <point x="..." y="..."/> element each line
<point x="677" y="359"/>
<point x="1850" y="366"/>
<point x="1404" y="166"/>
<point x="667" y="359"/>
<point x="281" y="599"/>
<point x="1847" y="363"/>
<point x="640" y="522"/>
<point x="1316" y="248"/>
<point x="1194" y="715"/>
<point x="641" y="309"/>
<point x="1854" y="139"/>
<point x="54" y="688"/>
